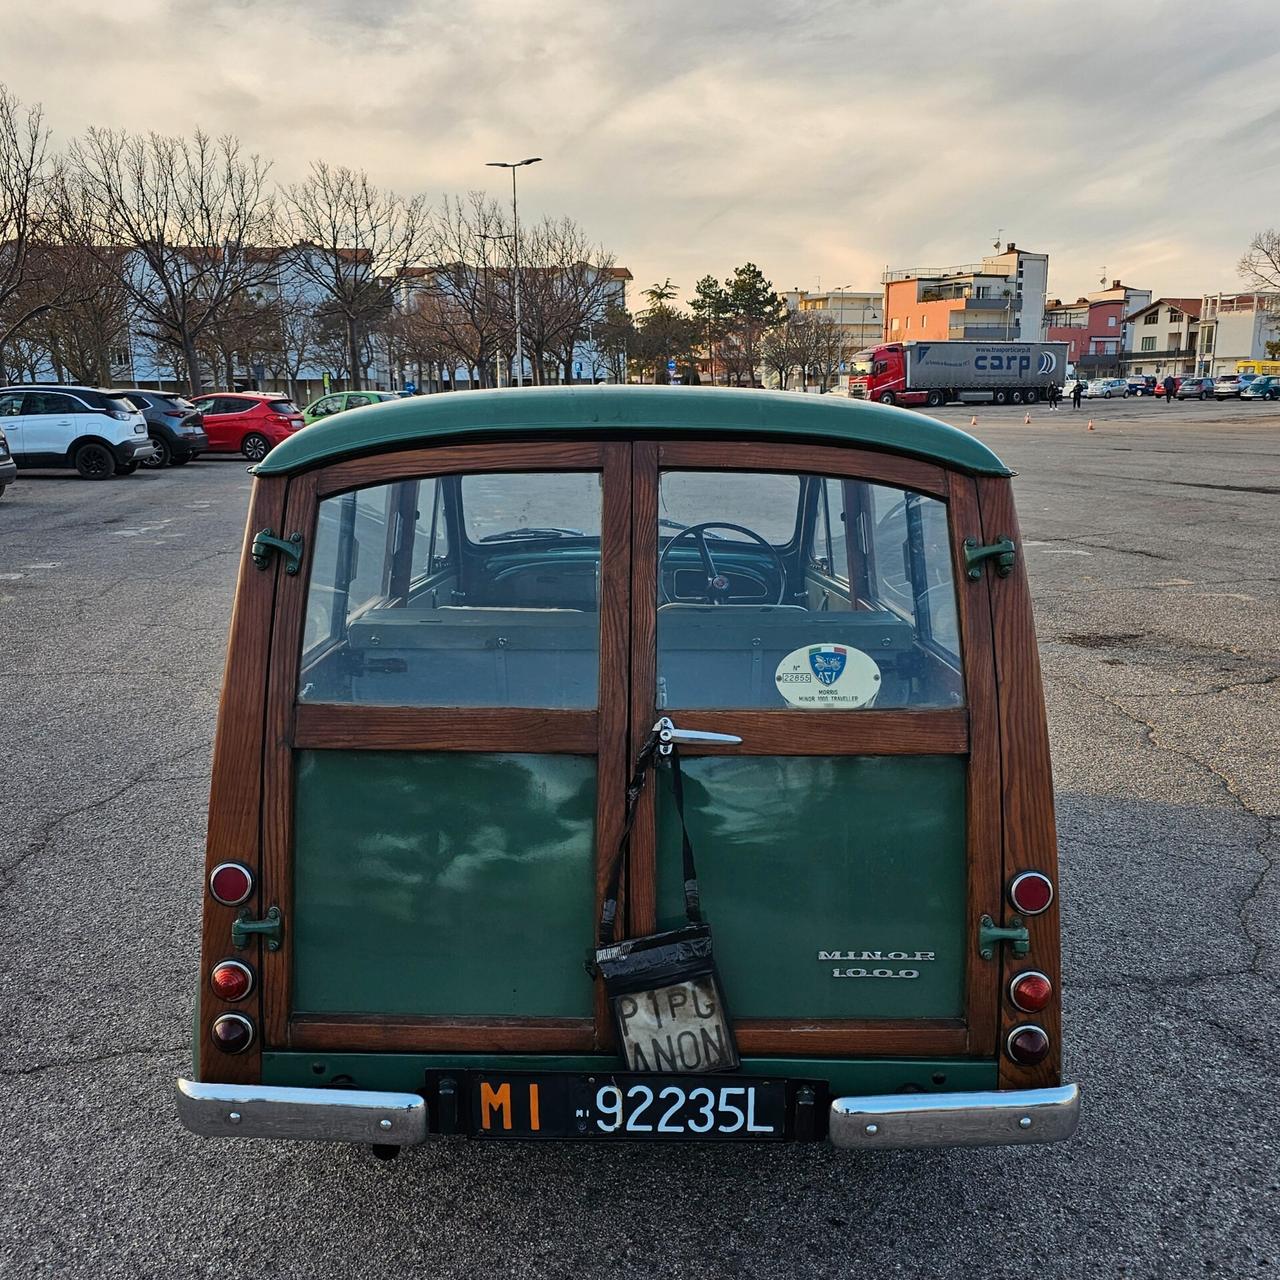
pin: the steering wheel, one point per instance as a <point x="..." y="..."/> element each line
<point x="717" y="591"/>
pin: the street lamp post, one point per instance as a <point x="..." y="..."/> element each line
<point x="513" y="165"/>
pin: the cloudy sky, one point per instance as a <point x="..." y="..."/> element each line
<point x="822" y="139"/>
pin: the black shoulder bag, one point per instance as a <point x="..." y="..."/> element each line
<point x="668" y="1005"/>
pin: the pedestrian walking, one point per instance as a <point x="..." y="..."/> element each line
<point x="1076" y="392"/>
<point x="1055" y="394"/>
<point x="1169" y="388"/>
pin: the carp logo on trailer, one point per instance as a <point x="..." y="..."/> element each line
<point x="828" y="675"/>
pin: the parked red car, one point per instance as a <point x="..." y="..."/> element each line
<point x="248" y="422"/>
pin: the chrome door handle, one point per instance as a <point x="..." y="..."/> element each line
<point x="668" y="733"/>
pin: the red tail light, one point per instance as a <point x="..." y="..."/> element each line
<point x="1030" y="991"/>
<point x="232" y="1032"/>
<point x="231" y="883"/>
<point x="1031" y="893"/>
<point x="174" y="413"/>
<point x="1027" y="1045"/>
<point x="231" y="980"/>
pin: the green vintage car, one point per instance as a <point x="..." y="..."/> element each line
<point x="341" y="401"/>
<point x="484" y="644"/>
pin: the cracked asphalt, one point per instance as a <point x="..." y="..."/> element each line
<point x="1153" y="545"/>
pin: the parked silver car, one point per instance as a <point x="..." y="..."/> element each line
<point x="1227" y="385"/>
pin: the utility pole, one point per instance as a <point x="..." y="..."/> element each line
<point x="513" y="165"/>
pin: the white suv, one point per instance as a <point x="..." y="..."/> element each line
<point x="81" y="427"/>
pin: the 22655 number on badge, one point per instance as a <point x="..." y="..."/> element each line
<point x="629" y="1107"/>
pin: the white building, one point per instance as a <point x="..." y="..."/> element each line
<point x="1236" y="327"/>
<point x="1160" y="338"/>
<point x="859" y="312"/>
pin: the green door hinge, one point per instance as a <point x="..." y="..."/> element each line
<point x="1001" y="551"/>
<point x="989" y="935"/>
<point x="271" y="929"/>
<point x="265" y="542"/>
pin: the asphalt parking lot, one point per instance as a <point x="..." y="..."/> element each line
<point x="1152" y="544"/>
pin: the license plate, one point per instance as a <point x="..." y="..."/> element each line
<point x="628" y="1107"/>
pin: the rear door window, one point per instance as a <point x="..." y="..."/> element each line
<point x="399" y="613"/>
<point x="804" y="592"/>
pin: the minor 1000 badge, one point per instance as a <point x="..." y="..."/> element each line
<point x="821" y="676"/>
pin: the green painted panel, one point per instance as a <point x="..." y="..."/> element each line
<point x="799" y="855"/>
<point x="846" y="1076"/>
<point x="593" y="413"/>
<point x="443" y="883"/>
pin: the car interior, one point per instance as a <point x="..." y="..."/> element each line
<point x="460" y="591"/>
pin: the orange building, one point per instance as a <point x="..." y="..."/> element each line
<point x="1002" y="296"/>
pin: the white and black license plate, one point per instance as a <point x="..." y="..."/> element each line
<point x="705" y="1108"/>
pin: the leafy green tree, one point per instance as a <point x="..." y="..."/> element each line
<point x="711" y="307"/>
<point x="750" y="307"/>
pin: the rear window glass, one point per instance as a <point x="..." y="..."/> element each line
<point x="282" y="406"/>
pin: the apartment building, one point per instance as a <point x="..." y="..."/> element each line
<point x="858" y="312"/>
<point x="1235" y="328"/>
<point x="1094" y="328"/>
<point x="1003" y="296"/>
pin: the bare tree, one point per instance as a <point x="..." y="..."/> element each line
<point x="781" y="348"/>
<point x="353" y="238"/>
<point x="297" y="332"/>
<point x="186" y="211"/>
<point x="466" y="294"/>
<point x="577" y="286"/>
<point x="1260" y="263"/>
<point x="33" y="280"/>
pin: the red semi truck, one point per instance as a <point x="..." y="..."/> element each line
<point x="934" y="373"/>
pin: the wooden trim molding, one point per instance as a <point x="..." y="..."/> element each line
<point x="360" y="727"/>
<point x="235" y="794"/>
<point x="398" y="1034"/>
<point x="825" y="733"/>
<point x="808" y="460"/>
<point x="414" y="464"/>
<point x="1030" y="836"/>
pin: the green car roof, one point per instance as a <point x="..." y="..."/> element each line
<point x="627" y="411"/>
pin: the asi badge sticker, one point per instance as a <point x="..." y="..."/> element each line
<point x="828" y="675"/>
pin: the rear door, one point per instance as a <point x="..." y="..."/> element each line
<point x="51" y="420"/>
<point x="446" y="748"/>
<point x="848" y="847"/>
<point x="217" y="420"/>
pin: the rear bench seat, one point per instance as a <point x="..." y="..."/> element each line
<point x="710" y="656"/>
<point x="473" y="656"/>
<point x="728" y="655"/>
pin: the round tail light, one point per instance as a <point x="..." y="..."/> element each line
<point x="1027" y="1045"/>
<point x="233" y="980"/>
<point x="231" y="883"/>
<point x="1031" y="893"/>
<point x="1029" y="991"/>
<point x="232" y="1032"/>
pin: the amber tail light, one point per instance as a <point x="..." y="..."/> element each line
<point x="231" y="980"/>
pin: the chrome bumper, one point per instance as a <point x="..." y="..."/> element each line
<point x="981" y="1119"/>
<point x="316" y="1115"/>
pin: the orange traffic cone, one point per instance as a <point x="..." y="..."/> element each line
<point x="1090" y="424"/>
<point x="973" y="422"/>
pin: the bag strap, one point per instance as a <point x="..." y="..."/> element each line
<point x="647" y="756"/>
<point x="692" y="897"/>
